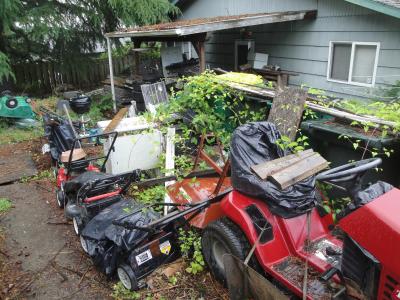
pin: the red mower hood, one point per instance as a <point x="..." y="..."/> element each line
<point x="376" y="227"/>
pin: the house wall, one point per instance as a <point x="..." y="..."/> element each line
<point x="303" y="46"/>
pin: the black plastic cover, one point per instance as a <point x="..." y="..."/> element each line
<point x="109" y="244"/>
<point x="372" y="192"/>
<point x="60" y="135"/>
<point x="365" y="196"/>
<point x="252" y="144"/>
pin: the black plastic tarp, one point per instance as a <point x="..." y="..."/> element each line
<point x="107" y="243"/>
<point x="255" y="143"/>
<point x="59" y="133"/>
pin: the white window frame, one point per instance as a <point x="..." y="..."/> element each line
<point x="250" y="45"/>
<point x="353" y="47"/>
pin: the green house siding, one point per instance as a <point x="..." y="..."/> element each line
<point x="303" y="46"/>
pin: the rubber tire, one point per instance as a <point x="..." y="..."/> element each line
<point x="60" y="198"/>
<point x="12" y="103"/>
<point x="78" y="225"/>
<point x="228" y="234"/>
<point x="129" y="281"/>
<point x="83" y="244"/>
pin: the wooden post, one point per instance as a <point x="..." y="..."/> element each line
<point x="136" y="45"/>
<point x="202" y="56"/>
<point x="198" y="42"/>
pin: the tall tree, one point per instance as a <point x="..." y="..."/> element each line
<point x="64" y="30"/>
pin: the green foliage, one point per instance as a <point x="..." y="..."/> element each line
<point x="10" y="134"/>
<point x="121" y="293"/>
<point x="150" y="195"/>
<point x="64" y="31"/>
<point x="217" y="108"/>
<point x="5" y="205"/>
<point x="389" y="111"/>
<point x="300" y="144"/>
<point x="190" y="243"/>
<point x="332" y="205"/>
<point x="242" y="78"/>
<point x="393" y="92"/>
<point x="5" y="69"/>
<point x="45" y="174"/>
<point x="143" y="12"/>
<point x="100" y="108"/>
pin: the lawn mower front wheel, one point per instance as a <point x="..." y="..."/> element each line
<point x="78" y="225"/>
<point x="84" y="244"/>
<point x="60" y="197"/>
<point x="127" y="277"/>
<point x="219" y="238"/>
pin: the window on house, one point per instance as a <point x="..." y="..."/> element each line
<point x="353" y="62"/>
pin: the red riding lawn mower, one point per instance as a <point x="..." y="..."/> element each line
<point x="267" y="243"/>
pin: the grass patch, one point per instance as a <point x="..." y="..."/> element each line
<point x="45" y="174"/>
<point x="121" y="293"/>
<point x="10" y="134"/>
<point x="5" y="205"/>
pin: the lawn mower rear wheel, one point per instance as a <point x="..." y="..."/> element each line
<point x="127" y="277"/>
<point x="223" y="237"/>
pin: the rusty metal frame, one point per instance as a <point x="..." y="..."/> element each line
<point x="202" y="155"/>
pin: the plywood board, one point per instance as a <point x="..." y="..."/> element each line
<point x="13" y="167"/>
<point x="116" y="120"/>
<point x="268" y="168"/>
<point x="287" y="110"/>
<point x="299" y="171"/>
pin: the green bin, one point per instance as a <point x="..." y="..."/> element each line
<point x="324" y="138"/>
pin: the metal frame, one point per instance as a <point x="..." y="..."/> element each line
<point x="351" y="65"/>
<point x="78" y="140"/>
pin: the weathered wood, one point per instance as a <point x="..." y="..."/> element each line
<point x="116" y="120"/>
<point x="268" y="168"/>
<point x="287" y="110"/>
<point x="299" y="171"/>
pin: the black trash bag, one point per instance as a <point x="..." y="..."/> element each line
<point x="372" y="192"/>
<point x="364" y="197"/>
<point x="59" y="133"/>
<point x="252" y="144"/>
<point x="108" y="244"/>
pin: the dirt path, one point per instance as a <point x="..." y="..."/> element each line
<point x="44" y="249"/>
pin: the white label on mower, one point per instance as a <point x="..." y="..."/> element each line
<point x="165" y="247"/>
<point x="143" y="257"/>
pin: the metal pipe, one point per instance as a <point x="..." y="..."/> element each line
<point x="111" y="74"/>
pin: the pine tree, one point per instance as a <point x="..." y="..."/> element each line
<point x="66" y="30"/>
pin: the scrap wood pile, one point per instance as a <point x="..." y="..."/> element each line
<point x="290" y="169"/>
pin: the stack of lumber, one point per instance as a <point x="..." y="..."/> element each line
<point x="290" y="169"/>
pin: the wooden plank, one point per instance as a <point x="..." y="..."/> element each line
<point x="287" y="110"/>
<point x="169" y="163"/>
<point x="268" y="168"/>
<point x="116" y="120"/>
<point x="299" y="171"/>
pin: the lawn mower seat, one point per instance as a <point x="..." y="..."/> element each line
<point x="255" y="143"/>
